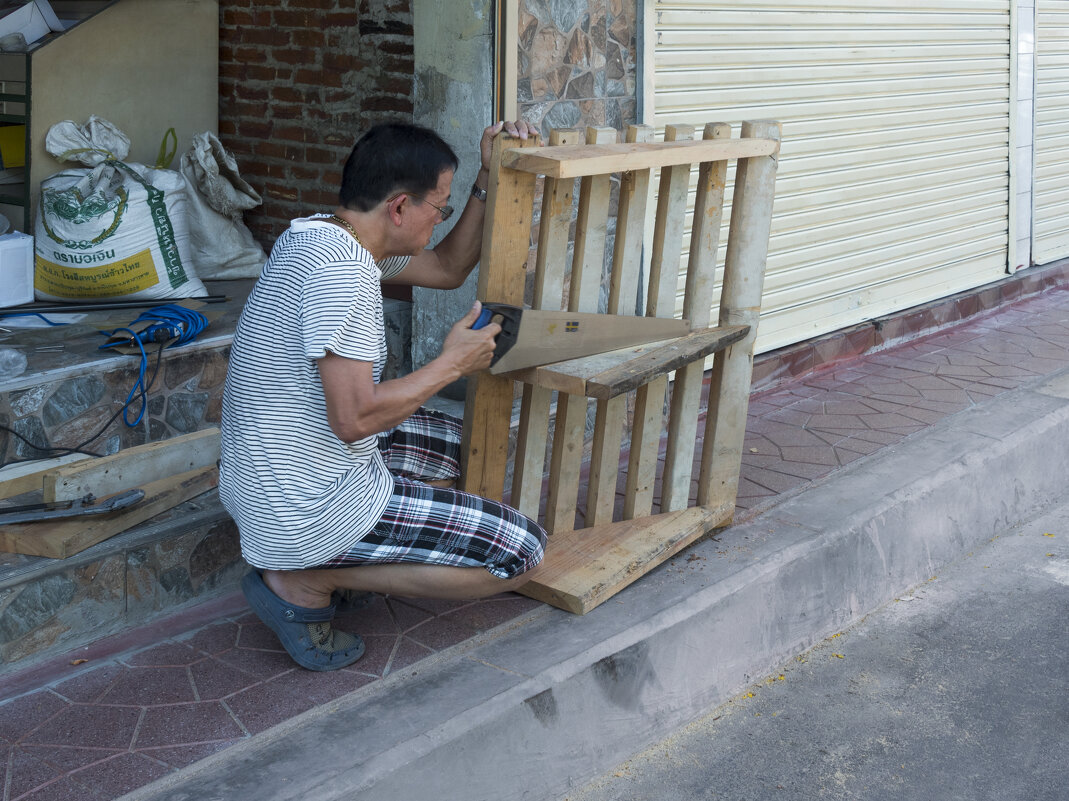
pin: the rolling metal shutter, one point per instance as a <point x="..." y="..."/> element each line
<point x="1050" y="220"/>
<point x="893" y="186"/>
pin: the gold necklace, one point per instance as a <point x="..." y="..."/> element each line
<point x="349" y="228"/>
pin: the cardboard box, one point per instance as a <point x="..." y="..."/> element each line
<point x="16" y="269"/>
<point x="33" y="20"/>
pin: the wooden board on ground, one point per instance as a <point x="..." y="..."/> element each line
<point x="22" y="477"/>
<point x="584" y="568"/>
<point x="59" y="539"/>
<point x="132" y="467"/>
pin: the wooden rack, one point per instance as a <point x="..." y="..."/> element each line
<point x="619" y="543"/>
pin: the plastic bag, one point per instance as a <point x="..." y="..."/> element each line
<point x="111" y="229"/>
<point x="223" y="246"/>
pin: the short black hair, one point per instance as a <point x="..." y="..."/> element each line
<point x="390" y="158"/>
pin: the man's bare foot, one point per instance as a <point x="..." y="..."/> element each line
<point x="293" y="587"/>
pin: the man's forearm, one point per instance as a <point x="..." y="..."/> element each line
<point x="358" y="408"/>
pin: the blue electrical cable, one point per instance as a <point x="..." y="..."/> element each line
<point x="138" y="388"/>
<point x="168" y="322"/>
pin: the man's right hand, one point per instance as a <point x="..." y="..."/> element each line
<point x="467" y="349"/>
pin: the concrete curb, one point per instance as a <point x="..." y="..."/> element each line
<point x="555" y="699"/>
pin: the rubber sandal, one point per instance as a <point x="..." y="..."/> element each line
<point x="305" y="633"/>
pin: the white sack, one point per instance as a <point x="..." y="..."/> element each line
<point x="111" y="229"/>
<point x="223" y="247"/>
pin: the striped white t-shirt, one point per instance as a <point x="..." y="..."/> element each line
<point x="300" y="495"/>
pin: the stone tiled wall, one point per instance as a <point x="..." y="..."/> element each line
<point x="64" y="407"/>
<point x="577" y="63"/>
<point x="67" y="410"/>
<point x="184" y="556"/>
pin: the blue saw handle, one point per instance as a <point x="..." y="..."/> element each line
<point x="484" y="319"/>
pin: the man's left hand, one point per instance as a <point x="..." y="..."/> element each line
<point x="520" y="129"/>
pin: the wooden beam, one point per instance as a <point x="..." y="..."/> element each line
<point x="697" y="307"/>
<point x="59" y="539"/>
<point x="22" y="477"/>
<point x="132" y="467"/>
<point x="607" y="375"/>
<point x="532" y="435"/>
<point x="660" y="302"/>
<point x="611" y="412"/>
<point x="740" y="304"/>
<point x="591" y="226"/>
<point x="502" y="272"/>
<point x="567" y="162"/>
<point x="585" y="568"/>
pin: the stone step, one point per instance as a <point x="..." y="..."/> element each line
<point x="183" y="557"/>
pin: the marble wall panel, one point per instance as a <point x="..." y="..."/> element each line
<point x="577" y="63"/>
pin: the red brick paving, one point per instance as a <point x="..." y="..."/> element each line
<point x="116" y="725"/>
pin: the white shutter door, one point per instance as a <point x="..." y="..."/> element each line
<point x="1050" y="220"/>
<point x="893" y="182"/>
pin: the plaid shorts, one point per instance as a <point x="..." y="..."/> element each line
<point x="435" y="526"/>
<point x="425" y="447"/>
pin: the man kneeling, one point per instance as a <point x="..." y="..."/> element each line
<point x="338" y="482"/>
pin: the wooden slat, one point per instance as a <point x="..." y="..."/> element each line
<point x="697" y="307"/>
<point x="590" y="230"/>
<point x="506" y="240"/>
<point x="608" y="375"/>
<point x="554" y="230"/>
<point x="59" y="539"/>
<point x="623" y="298"/>
<point x="566" y="162"/>
<point x="21" y="477"/>
<point x="740" y="304"/>
<point x="664" y="269"/>
<point x="585" y="568"/>
<point x="132" y="467"/>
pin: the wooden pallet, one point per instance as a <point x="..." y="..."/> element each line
<point x="585" y="566"/>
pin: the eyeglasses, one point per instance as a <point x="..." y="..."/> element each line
<point x="445" y="211"/>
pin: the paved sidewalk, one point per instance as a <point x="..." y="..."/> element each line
<point x="956" y="690"/>
<point x="120" y="721"/>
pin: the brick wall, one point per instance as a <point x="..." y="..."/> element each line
<point x="299" y="81"/>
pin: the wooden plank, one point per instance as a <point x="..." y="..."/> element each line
<point x="607" y="375"/>
<point x="60" y="539"/>
<point x="664" y="271"/>
<point x="568" y="432"/>
<point x="554" y="231"/>
<point x="740" y="304"/>
<point x="697" y="301"/>
<point x="585" y="568"/>
<point x="611" y="412"/>
<point x="132" y="467"/>
<point x="505" y="246"/>
<point x="577" y="162"/>
<point x="662" y="360"/>
<point x="21" y="477"/>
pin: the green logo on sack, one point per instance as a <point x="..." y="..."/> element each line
<point x="172" y="260"/>
<point x="70" y="206"/>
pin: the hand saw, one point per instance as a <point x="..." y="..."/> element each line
<point x="533" y="337"/>
<point x="83" y="506"/>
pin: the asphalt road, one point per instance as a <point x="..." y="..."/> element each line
<point x="958" y="690"/>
